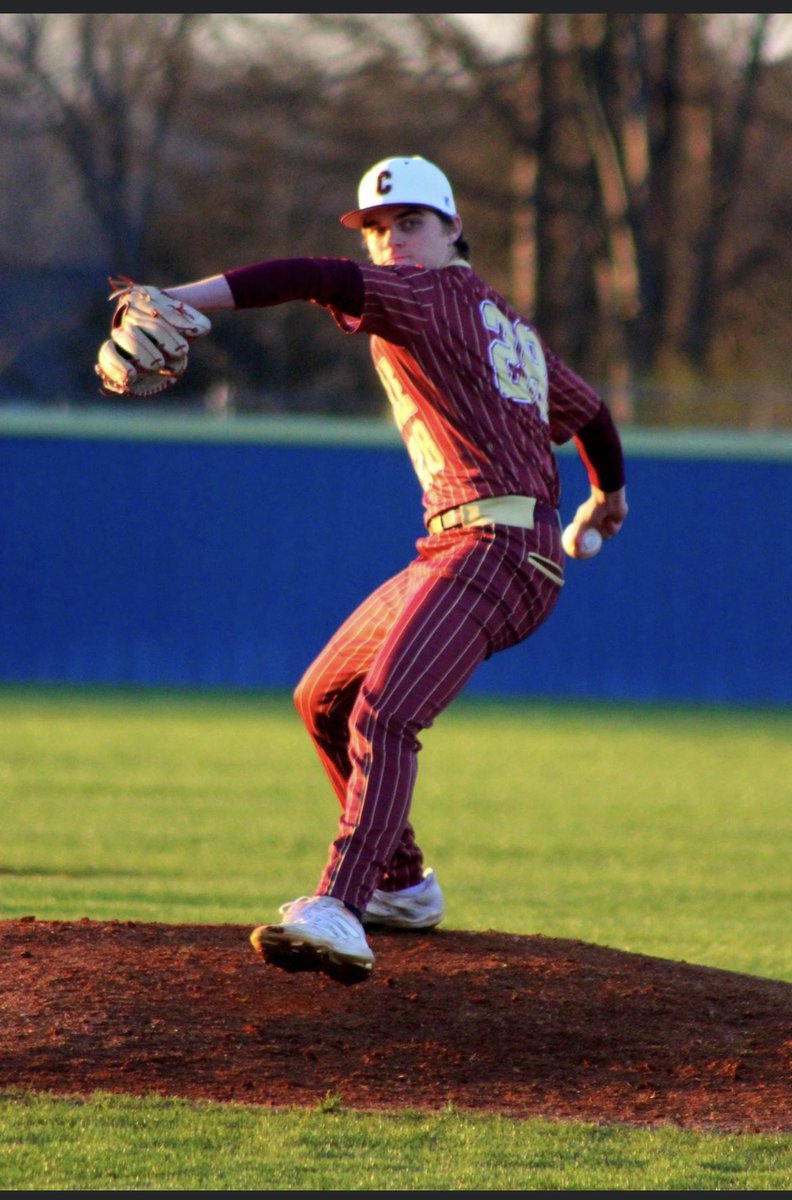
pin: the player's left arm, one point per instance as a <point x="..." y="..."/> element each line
<point x="207" y="295"/>
<point x="328" y="282"/>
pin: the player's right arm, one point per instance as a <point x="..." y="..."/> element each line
<point x="600" y="449"/>
<point x="577" y="412"/>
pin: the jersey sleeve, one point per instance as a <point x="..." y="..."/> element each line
<point x="334" y="283"/>
<point x="397" y="304"/>
<point x="599" y="446"/>
<point x="572" y="402"/>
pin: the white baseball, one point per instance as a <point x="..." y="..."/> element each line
<point x="588" y="544"/>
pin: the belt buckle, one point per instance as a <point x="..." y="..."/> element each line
<point x="452" y="518"/>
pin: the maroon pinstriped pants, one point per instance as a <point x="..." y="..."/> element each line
<point x="397" y="661"/>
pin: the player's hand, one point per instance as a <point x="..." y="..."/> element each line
<point x="604" y="511"/>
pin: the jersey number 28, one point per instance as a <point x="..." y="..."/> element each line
<point x="518" y="363"/>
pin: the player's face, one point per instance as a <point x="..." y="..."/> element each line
<point x="396" y="235"/>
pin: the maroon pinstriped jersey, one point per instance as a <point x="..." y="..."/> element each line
<point x="477" y="396"/>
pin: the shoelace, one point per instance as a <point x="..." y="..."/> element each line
<point x="286" y="908"/>
<point x="329" y="919"/>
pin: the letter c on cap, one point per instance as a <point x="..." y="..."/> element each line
<point x="383" y="183"/>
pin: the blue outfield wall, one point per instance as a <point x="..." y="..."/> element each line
<point x="183" y="552"/>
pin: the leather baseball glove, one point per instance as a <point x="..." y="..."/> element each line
<point x="150" y="337"/>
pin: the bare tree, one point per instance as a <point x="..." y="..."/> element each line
<point x="606" y="164"/>
<point x="630" y="139"/>
<point x="732" y="127"/>
<point x="103" y="88"/>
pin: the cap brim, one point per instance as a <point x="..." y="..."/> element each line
<point x="354" y="218"/>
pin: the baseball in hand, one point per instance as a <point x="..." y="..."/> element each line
<point x="586" y="545"/>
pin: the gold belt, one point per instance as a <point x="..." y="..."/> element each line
<point x="524" y="511"/>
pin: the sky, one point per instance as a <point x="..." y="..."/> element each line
<point x="500" y="31"/>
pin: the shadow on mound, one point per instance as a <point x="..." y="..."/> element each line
<point x="523" y="1026"/>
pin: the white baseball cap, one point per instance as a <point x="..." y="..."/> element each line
<point x="402" y="181"/>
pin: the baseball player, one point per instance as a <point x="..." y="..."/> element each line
<point x="480" y="401"/>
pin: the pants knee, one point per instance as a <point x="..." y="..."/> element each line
<point x="370" y="718"/>
<point x="301" y="698"/>
<point x="324" y="710"/>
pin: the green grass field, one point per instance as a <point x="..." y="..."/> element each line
<point x="647" y="829"/>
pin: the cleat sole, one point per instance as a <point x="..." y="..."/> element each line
<point x="287" y="954"/>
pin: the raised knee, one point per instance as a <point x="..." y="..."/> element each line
<point x="302" y="702"/>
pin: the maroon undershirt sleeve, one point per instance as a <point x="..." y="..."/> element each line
<point x="599" y="446"/>
<point x="330" y="282"/>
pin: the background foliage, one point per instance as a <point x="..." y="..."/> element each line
<point x="623" y="177"/>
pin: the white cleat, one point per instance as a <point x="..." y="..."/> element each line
<point x="417" y="907"/>
<point x="317" y="933"/>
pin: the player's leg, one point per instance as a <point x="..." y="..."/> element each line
<point x="325" y="698"/>
<point x="461" y="610"/>
<point x="464" y="605"/>
<point x="320" y="933"/>
<point x="429" y="655"/>
<point x="327" y="691"/>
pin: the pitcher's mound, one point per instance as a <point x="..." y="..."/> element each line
<point x="523" y="1026"/>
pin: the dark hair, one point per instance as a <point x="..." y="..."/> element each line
<point x="460" y="245"/>
<point x="462" y="248"/>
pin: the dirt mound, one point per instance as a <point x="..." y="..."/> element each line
<point x="524" y="1026"/>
